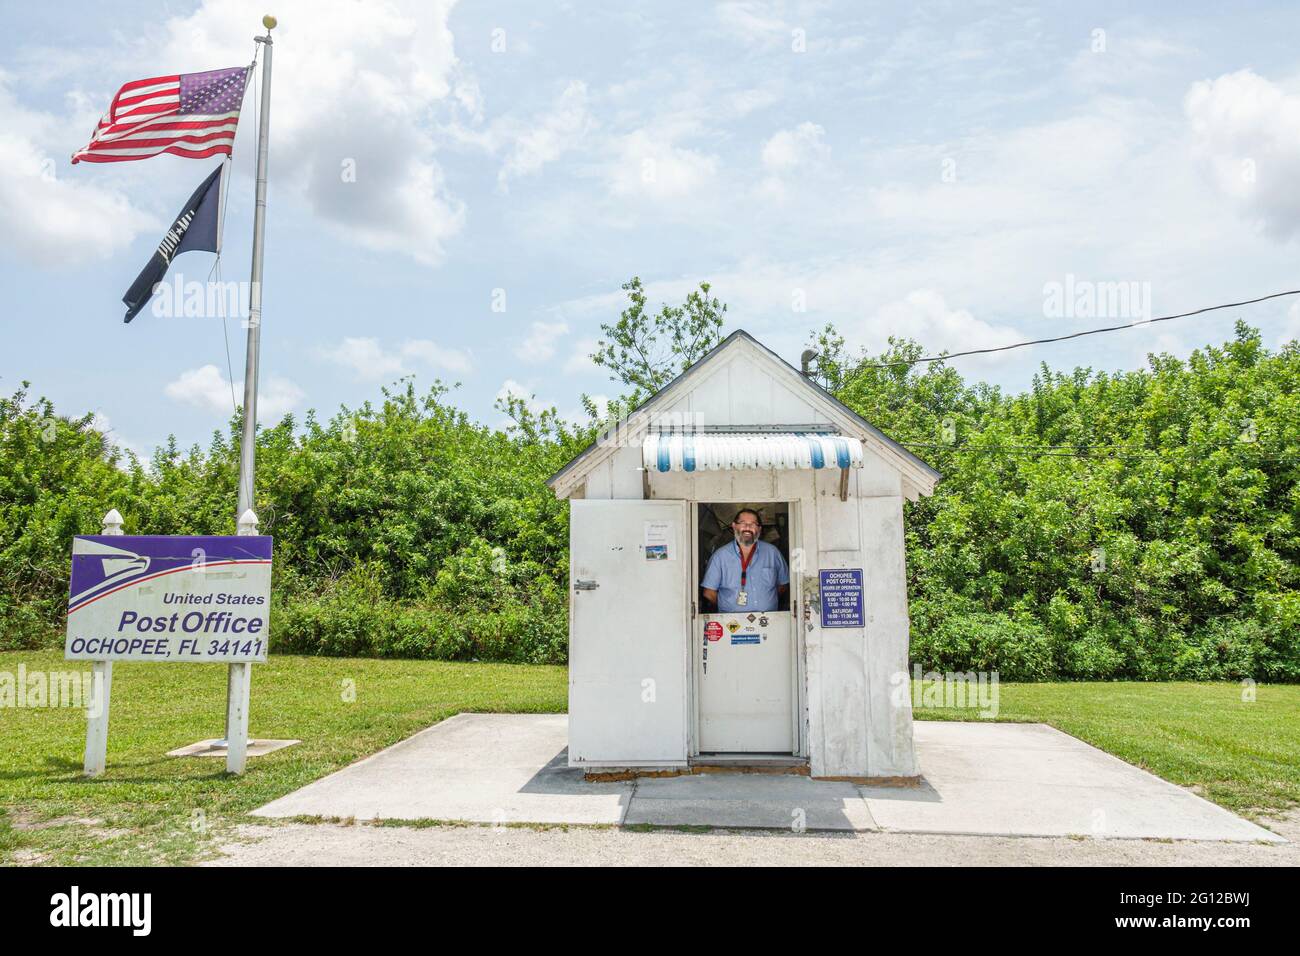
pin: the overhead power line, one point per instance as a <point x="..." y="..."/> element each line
<point x="1096" y="452"/>
<point x="1075" y="335"/>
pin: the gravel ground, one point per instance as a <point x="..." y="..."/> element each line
<point x="325" y="844"/>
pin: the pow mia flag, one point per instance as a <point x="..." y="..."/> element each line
<point x="196" y="229"/>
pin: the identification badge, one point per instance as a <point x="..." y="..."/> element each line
<point x="741" y="598"/>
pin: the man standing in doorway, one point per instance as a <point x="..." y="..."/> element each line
<point x="748" y="574"/>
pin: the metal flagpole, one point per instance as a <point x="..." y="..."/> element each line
<point x="248" y="445"/>
<point x="248" y="442"/>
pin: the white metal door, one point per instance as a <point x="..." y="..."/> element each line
<point x="628" y="629"/>
<point x="745" y="682"/>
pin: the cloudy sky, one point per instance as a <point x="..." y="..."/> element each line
<point x="458" y="190"/>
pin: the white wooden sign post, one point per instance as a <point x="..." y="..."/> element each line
<point x="101" y="688"/>
<point x="177" y="598"/>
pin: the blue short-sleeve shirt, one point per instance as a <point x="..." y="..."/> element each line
<point x="767" y="569"/>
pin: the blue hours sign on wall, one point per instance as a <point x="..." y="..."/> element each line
<point x="841" y="593"/>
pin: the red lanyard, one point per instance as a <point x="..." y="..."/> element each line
<point x="745" y="561"/>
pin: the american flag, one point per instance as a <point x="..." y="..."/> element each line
<point x="191" y="114"/>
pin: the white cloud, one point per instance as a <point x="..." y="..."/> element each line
<point x="540" y="344"/>
<point x="558" y="131"/>
<point x="790" y="151"/>
<point x="1248" y="130"/>
<point x="436" y="356"/>
<point x="924" y="315"/>
<point x="207" y="388"/>
<point x="863" y="299"/>
<point x="512" y="389"/>
<point x="648" y="165"/>
<point x="368" y="360"/>
<point x="743" y="102"/>
<point x="203" y="387"/>
<point x="1127" y="58"/>
<point x="354" y="86"/>
<point x="49" y="220"/>
<point x="1170" y="342"/>
<point x="1023" y="178"/>
<point x="579" y="360"/>
<point x="276" y="398"/>
<point x="1291" y="326"/>
<point x="791" y="148"/>
<point x="752" y="22"/>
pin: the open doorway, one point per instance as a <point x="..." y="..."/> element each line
<point x="714" y="531"/>
<point x="746" y="656"/>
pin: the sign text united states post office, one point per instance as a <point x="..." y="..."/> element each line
<point x="169" y="598"/>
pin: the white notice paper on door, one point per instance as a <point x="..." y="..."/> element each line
<point x="659" y="537"/>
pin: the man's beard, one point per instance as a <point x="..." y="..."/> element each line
<point x="746" y="537"/>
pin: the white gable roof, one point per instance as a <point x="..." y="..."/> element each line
<point x="742" y="384"/>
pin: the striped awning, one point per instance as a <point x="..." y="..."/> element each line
<point x="733" y="451"/>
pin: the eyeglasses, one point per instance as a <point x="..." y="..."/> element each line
<point x="747" y="524"/>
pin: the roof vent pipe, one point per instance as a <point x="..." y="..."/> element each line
<point x="805" y="360"/>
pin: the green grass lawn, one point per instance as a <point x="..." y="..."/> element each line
<point x="150" y="808"/>
<point x="1242" y="755"/>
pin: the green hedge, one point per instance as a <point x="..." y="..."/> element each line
<point x="1137" y="525"/>
<point x="341" y="628"/>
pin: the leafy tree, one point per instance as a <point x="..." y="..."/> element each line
<point x="646" y="351"/>
<point x="830" y="361"/>
<point x="1141" y="524"/>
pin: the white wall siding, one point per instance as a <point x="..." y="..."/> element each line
<point x="837" y="521"/>
<point x="618" y="477"/>
<point x="627" y="482"/>
<point x="878" y="478"/>
<point x="599" y="482"/>
<point x="870" y="738"/>
<point x="742" y="391"/>
<point x="889" y="749"/>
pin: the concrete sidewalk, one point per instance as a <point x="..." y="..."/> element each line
<point x="985" y="779"/>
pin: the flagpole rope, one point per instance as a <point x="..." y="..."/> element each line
<point x="225" y="333"/>
<point x="216" y="263"/>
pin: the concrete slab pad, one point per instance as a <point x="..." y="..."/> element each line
<point x="481" y="768"/>
<point x="784" y="801"/>
<point x="210" y="748"/>
<point x="979" y="779"/>
<point x="1034" y="780"/>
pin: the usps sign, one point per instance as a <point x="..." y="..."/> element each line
<point x="169" y="598"/>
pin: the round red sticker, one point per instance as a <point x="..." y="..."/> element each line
<point x="713" y="630"/>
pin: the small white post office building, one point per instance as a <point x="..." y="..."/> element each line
<point x="658" y="679"/>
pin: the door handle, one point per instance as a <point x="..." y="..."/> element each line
<point x="585" y="585"/>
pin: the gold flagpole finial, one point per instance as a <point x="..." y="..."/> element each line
<point x="269" y="22"/>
